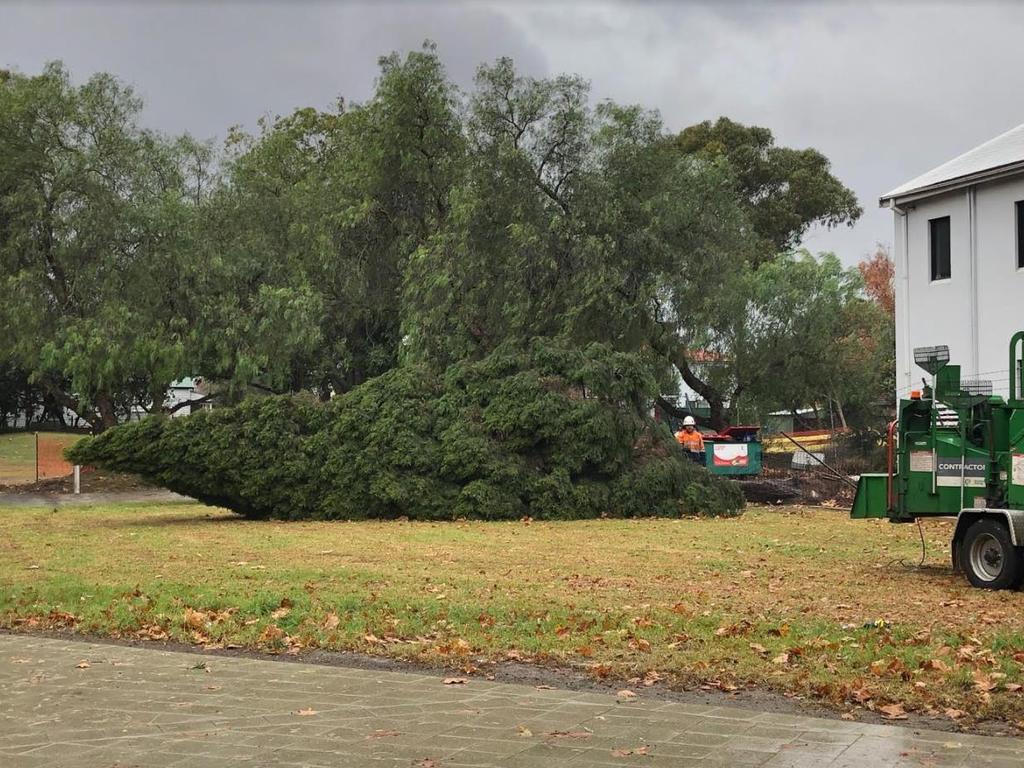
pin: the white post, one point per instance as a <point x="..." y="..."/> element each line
<point x="78" y="478"/>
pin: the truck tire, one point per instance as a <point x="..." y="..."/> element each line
<point x="988" y="557"/>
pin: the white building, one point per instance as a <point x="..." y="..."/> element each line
<point x="959" y="255"/>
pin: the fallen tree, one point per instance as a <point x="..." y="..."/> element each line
<point x="547" y="432"/>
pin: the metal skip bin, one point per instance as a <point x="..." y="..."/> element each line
<point x="736" y="451"/>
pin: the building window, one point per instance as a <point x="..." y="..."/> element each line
<point x="1020" y="233"/>
<point x="938" y="231"/>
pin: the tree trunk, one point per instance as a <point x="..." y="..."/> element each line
<point x="718" y="418"/>
<point x="105" y="411"/>
<point x="839" y="410"/>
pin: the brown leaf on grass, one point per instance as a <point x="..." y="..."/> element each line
<point x="600" y="670"/>
<point x="585" y="650"/>
<point x="780" y="631"/>
<point x="984" y="682"/>
<point x="758" y="648"/>
<point x="307" y="712"/>
<point x="782" y="658"/>
<point x="741" y="627"/>
<point x="893" y="712"/>
<point x="639" y="644"/>
<point x="455" y="681"/>
<point x="938" y="665"/>
<point x="271" y="633"/>
<point x="152" y="632"/>
<point x="194" y="619"/>
<point x="331" y="621"/>
<point x="954" y="714"/>
<point x="280" y="613"/>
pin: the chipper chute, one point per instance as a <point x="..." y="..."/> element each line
<point x="957" y="450"/>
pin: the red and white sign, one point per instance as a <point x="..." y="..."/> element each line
<point x="731" y="455"/>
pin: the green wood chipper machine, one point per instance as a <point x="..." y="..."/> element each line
<point x="957" y="450"/>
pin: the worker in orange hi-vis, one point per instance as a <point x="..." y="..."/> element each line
<point x="691" y="440"/>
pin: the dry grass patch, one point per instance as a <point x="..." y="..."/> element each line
<point x="800" y="601"/>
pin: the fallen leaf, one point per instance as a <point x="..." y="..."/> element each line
<point x="271" y="633"/>
<point x="954" y="714"/>
<point x="621" y="752"/>
<point x="848" y="716"/>
<point x="307" y="712"/>
<point x="569" y="734"/>
<point x="426" y="763"/>
<point x="83" y="665"/>
<point x="782" y="658"/>
<point x="893" y="712"/>
<point x="455" y="681"/>
<point x="625" y="693"/>
<point x="194" y="619"/>
<point x="280" y="613"/>
<point x="758" y="648"/>
<point x="524" y="731"/>
<point x="382" y="734"/>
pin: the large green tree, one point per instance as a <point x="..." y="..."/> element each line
<point x="92" y="211"/>
<point x="314" y="227"/>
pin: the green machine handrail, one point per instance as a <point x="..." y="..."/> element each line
<point x="1015" y="339"/>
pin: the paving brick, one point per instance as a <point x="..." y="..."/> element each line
<point x="153" y="708"/>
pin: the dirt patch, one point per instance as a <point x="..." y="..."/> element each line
<point x="92" y="481"/>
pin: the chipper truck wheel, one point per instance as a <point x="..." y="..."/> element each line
<point x="989" y="558"/>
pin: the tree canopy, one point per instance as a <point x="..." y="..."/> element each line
<point x="425" y="226"/>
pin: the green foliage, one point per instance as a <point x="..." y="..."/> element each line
<point x="92" y="208"/>
<point x="547" y="431"/>
<point x="784" y="190"/>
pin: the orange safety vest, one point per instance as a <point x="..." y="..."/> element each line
<point x="691" y="441"/>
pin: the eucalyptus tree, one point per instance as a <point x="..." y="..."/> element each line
<point x="94" y="212"/>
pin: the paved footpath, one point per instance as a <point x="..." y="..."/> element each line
<point x="68" y="704"/>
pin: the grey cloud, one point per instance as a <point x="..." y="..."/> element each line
<point x="887" y="91"/>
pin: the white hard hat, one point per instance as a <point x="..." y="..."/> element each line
<point x="689" y="421"/>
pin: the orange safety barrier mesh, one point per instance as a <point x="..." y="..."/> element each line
<point x="50" y="456"/>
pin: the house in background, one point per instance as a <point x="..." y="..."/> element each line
<point x="187" y="390"/>
<point x="959" y="256"/>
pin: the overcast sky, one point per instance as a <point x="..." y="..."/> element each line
<point x="885" y="91"/>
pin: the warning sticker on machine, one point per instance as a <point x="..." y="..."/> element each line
<point x="949" y="473"/>
<point x="1017" y="469"/>
<point x="731" y="455"/>
<point x="921" y="461"/>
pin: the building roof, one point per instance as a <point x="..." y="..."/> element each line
<point x="995" y="158"/>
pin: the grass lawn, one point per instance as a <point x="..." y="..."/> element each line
<point x="774" y="599"/>
<point x="18" y="454"/>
